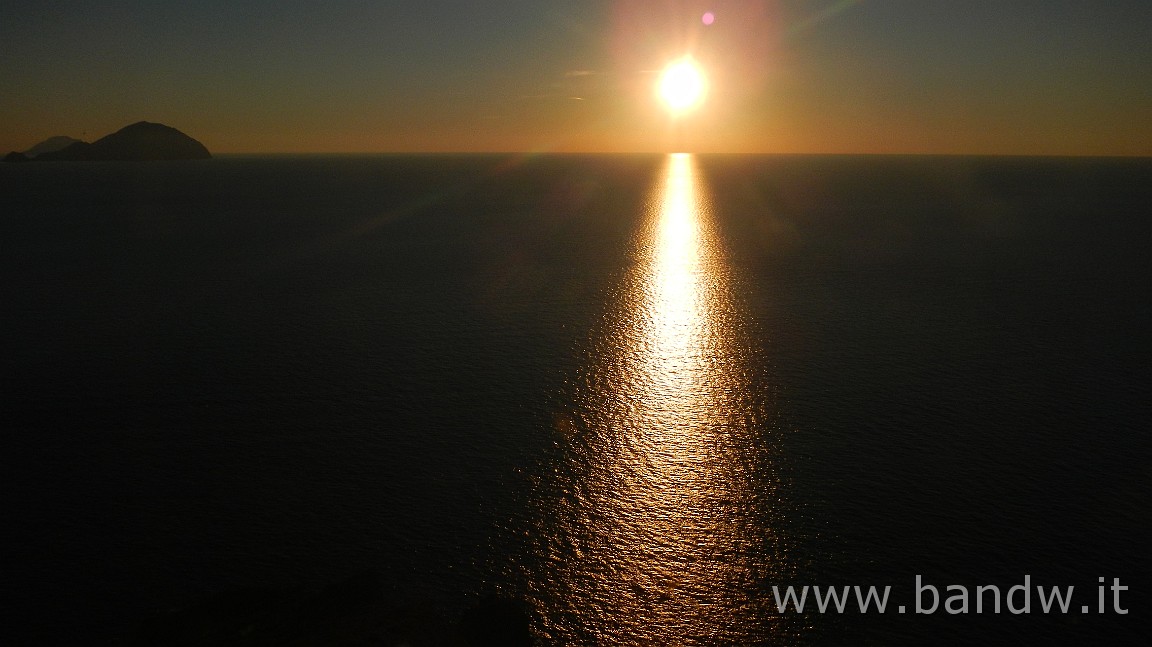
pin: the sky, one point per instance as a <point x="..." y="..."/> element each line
<point x="1016" y="77"/>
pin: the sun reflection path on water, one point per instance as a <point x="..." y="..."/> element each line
<point x="658" y="526"/>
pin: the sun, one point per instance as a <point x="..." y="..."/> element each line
<point x="682" y="85"/>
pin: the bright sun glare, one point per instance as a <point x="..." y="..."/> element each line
<point x="682" y="85"/>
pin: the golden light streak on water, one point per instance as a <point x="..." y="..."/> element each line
<point x="656" y="528"/>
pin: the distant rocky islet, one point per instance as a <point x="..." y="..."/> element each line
<point x="141" y="141"/>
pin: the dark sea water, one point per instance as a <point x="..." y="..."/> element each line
<point x="630" y="394"/>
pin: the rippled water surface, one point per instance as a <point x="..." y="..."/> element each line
<point x="658" y="519"/>
<point x="629" y="393"/>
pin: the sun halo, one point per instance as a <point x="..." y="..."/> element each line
<point x="682" y="86"/>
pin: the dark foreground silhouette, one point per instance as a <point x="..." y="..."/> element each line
<point x="355" y="611"/>
<point x="141" y="141"/>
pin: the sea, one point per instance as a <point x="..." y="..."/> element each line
<point x="576" y="400"/>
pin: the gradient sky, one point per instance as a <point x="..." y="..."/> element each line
<point x="787" y="76"/>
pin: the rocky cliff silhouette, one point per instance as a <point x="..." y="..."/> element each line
<point x="138" y="142"/>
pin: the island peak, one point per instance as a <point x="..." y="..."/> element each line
<point x="141" y="141"/>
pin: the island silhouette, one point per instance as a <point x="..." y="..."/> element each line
<point x="51" y="145"/>
<point x="141" y="141"/>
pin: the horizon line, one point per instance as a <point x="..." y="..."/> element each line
<point x="701" y="153"/>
